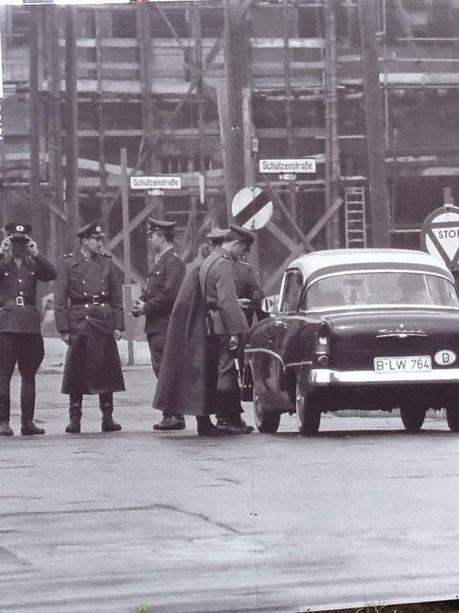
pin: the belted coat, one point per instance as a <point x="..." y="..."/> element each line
<point x="88" y="305"/>
<point x="18" y="288"/>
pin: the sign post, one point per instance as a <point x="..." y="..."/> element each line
<point x="440" y="235"/>
<point x="127" y="298"/>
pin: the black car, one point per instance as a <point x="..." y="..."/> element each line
<point x="365" y="329"/>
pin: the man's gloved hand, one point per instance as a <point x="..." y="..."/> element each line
<point x="5" y="246"/>
<point x="137" y="308"/>
<point x="32" y="247"/>
<point x="233" y="343"/>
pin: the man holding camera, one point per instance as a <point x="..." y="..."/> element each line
<point x="21" y="342"/>
<point x="157" y="300"/>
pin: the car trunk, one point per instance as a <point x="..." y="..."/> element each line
<point x="391" y="333"/>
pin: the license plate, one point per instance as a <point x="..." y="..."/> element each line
<point x="412" y="363"/>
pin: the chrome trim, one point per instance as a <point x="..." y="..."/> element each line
<point x="293" y="364"/>
<point x="324" y="376"/>
<point x="268" y="351"/>
<point x="401" y="333"/>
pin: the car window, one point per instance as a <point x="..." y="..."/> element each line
<point x="292" y="287"/>
<point x="380" y="287"/>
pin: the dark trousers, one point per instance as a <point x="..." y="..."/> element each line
<point x="25" y="350"/>
<point x="156" y="345"/>
<point x="222" y="386"/>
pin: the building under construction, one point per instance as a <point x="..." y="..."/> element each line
<point x="206" y="89"/>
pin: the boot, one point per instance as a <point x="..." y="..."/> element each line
<point x="229" y="418"/>
<point x="170" y="422"/>
<point x="28" y="428"/>
<point x="5" y="429"/>
<point x="236" y="412"/>
<point x="106" y="407"/>
<point x="207" y="428"/>
<point x="74" y="425"/>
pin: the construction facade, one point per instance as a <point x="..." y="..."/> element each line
<point x="206" y="90"/>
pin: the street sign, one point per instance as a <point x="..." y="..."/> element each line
<point x="299" y="166"/>
<point x="287" y="177"/>
<point x="155" y="192"/>
<point x="252" y="208"/>
<point x="440" y="234"/>
<point x="157" y="182"/>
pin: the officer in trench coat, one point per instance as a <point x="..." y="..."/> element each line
<point x="182" y="383"/>
<point x="21" y="342"/>
<point x="90" y="319"/>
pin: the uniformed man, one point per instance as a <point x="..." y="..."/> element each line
<point x="90" y="319"/>
<point x="226" y="327"/>
<point x="157" y="300"/>
<point x="21" y="266"/>
<point x="248" y="291"/>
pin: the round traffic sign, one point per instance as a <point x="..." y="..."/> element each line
<point x="440" y="234"/>
<point x="252" y="208"/>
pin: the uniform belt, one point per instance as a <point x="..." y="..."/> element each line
<point x="95" y="300"/>
<point x="19" y="301"/>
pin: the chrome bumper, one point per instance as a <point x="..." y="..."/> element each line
<point x="324" y="376"/>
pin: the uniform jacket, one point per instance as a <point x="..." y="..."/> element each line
<point x="181" y="386"/>
<point x="92" y="363"/>
<point x="20" y="284"/>
<point x="163" y="284"/>
<point x="216" y="277"/>
<point x="247" y="287"/>
<point x="78" y="280"/>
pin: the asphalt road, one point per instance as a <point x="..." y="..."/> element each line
<point x="364" y="513"/>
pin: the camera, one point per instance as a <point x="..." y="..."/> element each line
<point x="19" y="239"/>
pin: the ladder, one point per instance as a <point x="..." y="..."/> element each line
<point x="354" y="217"/>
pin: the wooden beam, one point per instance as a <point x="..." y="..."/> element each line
<point x="71" y="129"/>
<point x="35" y="112"/>
<point x="136" y="221"/>
<point x="332" y="163"/>
<point x="379" y="203"/>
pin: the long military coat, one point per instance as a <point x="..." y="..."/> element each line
<point x="92" y="364"/>
<point x="181" y="386"/>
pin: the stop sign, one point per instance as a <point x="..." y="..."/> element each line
<point x="440" y="234"/>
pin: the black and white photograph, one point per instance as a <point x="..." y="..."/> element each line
<point x="229" y="312"/>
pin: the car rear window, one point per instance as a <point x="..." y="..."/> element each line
<point x="380" y="287"/>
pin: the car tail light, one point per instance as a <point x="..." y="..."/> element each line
<point x="323" y="346"/>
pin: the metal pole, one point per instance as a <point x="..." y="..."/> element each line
<point x="379" y="204"/>
<point x="127" y="257"/>
<point x="71" y="130"/>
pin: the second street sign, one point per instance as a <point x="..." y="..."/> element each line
<point x="157" y="182"/>
<point x="298" y="166"/>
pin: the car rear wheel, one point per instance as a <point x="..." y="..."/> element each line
<point x="412" y="417"/>
<point x="265" y="421"/>
<point x="452" y="417"/>
<point x="307" y="417"/>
